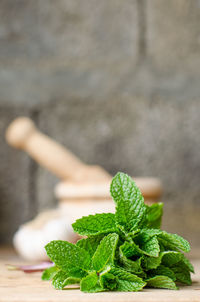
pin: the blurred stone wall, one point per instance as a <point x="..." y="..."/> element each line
<point x="118" y="83"/>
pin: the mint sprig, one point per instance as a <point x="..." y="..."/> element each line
<point x="125" y="251"/>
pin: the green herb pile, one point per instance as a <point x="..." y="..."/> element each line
<point x="125" y="251"/>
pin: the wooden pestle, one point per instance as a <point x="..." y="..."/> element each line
<point x="23" y="134"/>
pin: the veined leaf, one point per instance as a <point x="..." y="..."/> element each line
<point x="174" y="241"/>
<point x="154" y="215"/>
<point x="108" y="281"/>
<point x="90" y="284"/>
<point x="151" y="247"/>
<point x="131" y="249"/>
<point x="162" y="270"/>
<point x="90" y="244"/>
<point x="146" y="234"/>
<point x="151" y="262"/>
<point x="188" y="264"/>
<point x="130" y="208"/>
<point x="59" y="279"/>
<point x="105" y="252"/>
<point x="62" y="279"/>
<point x="127" y="281"/>
<point x="169" y="258"/>
<point x="49" y="273"/>
<point x="182" y="273"/>
<point x="130" y="265"/>
<point x="95" y="224"/>
<point x="68" y="256"/>
<point x="161" y="282"/>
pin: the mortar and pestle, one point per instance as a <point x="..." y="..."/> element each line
<point x="84" y="190"/>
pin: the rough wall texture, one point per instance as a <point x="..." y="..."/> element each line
<point x="117" y="82"/>
<point x="173" y="35"/>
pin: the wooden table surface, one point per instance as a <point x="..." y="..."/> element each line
<point x="16" y="286"/>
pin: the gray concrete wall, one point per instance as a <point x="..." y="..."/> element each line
<point x="117" y="82"/>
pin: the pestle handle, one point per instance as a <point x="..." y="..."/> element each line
<point x="23" y="134"/>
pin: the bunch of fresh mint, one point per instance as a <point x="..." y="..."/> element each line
<point x="124" y="251"/>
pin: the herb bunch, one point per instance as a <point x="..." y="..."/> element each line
<point x="125" y="251"/>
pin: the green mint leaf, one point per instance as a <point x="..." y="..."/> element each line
<point x="151" y="262"/>
<point x="127" y="281"/>
<point x="95" y="224"/>
<point x="182" y="273"/>
<point x="161" y="282"/>
<point x="129" y="265"/>
<point x="174" y="241"/>
<point x="148" y="242"/>
<point x="68" y="256"/>
<point x="71" y="280"/>
<point x="131" y="235"/>
<point x="150" y="247"/>
<point x="169" y="258"/>
<point x="145" y="242"/>
<point x="62" y="279"/>
<point x="154" y="215"/>
<point x="59" y="279"/>
<point x="90" y="284"/>
<point x="130" y="285"/>
<point x="108" y="281"/>
<point x="146" y="234"/>
<point x="49" y="273"/>
<point x="130" y="208"/>
<point x="90" y="244"/>
<point x="105" y="252"/>
<point x="166" y="246"/>
<point x="130" y="249"/>
<point x="162" y="271"/>
<point x="188" y="263"/>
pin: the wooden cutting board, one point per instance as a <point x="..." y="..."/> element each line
<point x="16" y="286"/>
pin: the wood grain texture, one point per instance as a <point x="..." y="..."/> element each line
<point x="16" y="286"/>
